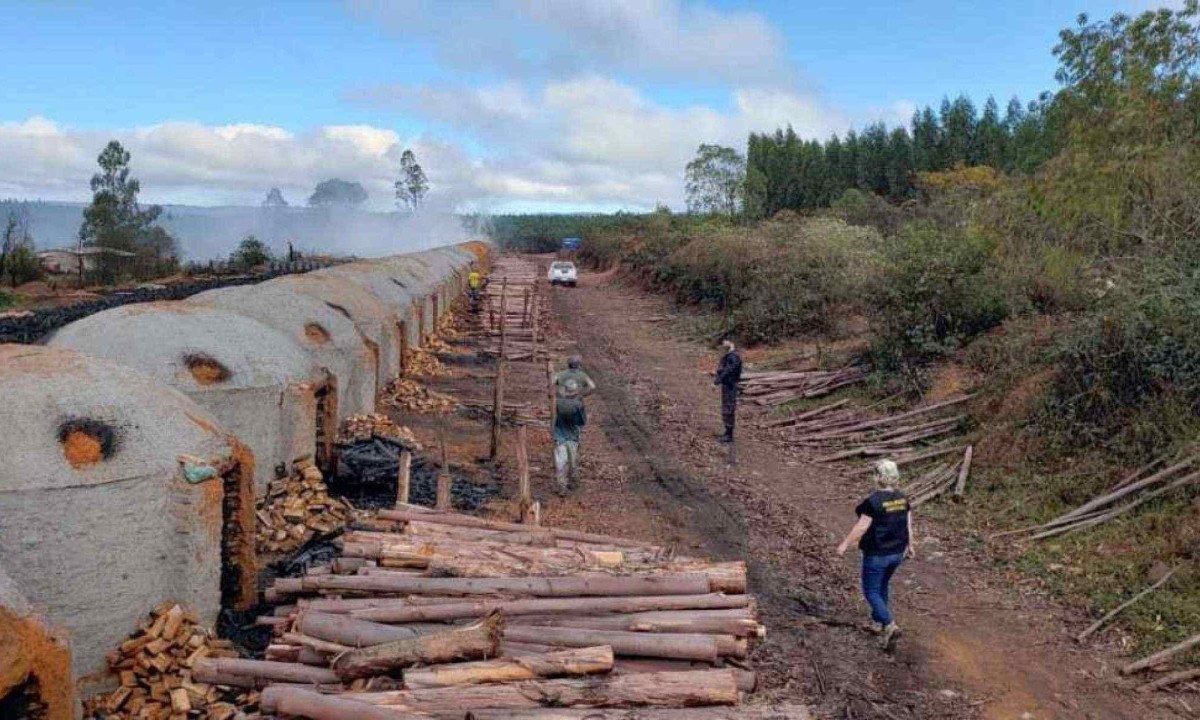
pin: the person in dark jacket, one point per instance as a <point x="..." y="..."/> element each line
<point x="885" y="537"/>
<point x="571" y="386"/>
<point x="729" y="374"/>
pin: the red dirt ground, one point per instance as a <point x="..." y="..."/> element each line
<point x="978" y="643"/>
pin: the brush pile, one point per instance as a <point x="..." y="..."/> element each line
<point x="445" y="615"/>
<point x="776" y="387"/>
<point x="364" y="427"/>
<point x="297" y="507"/>
<point x="155" y="668"/>
<point x="413" y="396"/>
<point x="420" y="362"/>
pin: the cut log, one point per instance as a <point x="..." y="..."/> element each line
<point x="676" y="646"/>
<point x="1170" y="679"/>
<point x="1161" y="656"/>
<point x="582" y="661"/>
<point x="669" y="689"/>
<point x="351" y="631"/>
<point x="555" y="606"/>
<point x="480" y="640"/>
<point x="300" y="702"/>
<point x="741" y="712"/>
<point x="573" y="586"/>
<point x="1117" y="610"/>
<point x="960" y="484"/>
<point x="470" y="521"/>
<point x="206" y="669"/>
<point x="652" y="623"/>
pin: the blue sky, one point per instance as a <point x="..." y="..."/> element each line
<point x="512" y="104"/>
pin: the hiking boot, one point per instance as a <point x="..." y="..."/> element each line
<point x="891" y="633"/>
<point x="727" y="437"/>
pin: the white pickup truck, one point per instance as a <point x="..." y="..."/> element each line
<point x="562" y="273"/>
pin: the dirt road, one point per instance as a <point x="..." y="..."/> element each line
<point x="976" y="646"/>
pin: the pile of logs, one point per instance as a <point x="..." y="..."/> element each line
<point x="850" y="433"/>
<point x="364" y="427"/>
<point x="1144" y="485"/>
<point x="413" y="396"/>
<point x="157" y="680"/>
<point x="439" y="614"/>
<point x="295" y="508"/>
<point x="776" y="387"/>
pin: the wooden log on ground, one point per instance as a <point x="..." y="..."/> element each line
<point x="1161" y="656"/>
<point x="747" y="680"/>
<point x="565" y="587"/>
<point x="556" y="606"/>
<point x="740" y="712"/>
<point x="960" y="484"/>
<point x="640" y="622"/>
<point x="668" y="689"/>
<point x="1117" y="610"/>
<point x="564" y="663"/>
<point x="478" y="641"/>
<point x="475" y="522"/>
<point x="1170" y="679"/>
<point x="350" y="631"/>
<point x="300" y="702"/>
<point x="204" y="669"/>
<point x="672" y="646"/>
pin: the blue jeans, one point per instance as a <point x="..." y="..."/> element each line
<point x="877" y="572"/>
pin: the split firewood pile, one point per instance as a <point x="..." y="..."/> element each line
<point x="440" y="614"/>
<point x="516" y="310"/>
<point x="421" y="362"/>
<point x="297" y="507"/>
<point x="447" y="332"/>
<point x="776" y="387"/>
<point x="364" y="427"/>
<point x="155" y="668"/>
<point x="1132" y="492"/>
<point x="414" y="396"/>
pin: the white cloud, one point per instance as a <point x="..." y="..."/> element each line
<point x="589" y="141"/>
<point x="646" y="39"/>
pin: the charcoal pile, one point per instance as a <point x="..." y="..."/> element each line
<point x="420" y="362"/>
<point x="156" y="671"/>
<point x="432" y="614"/>
<point x="773" y="388"/>
<point x="367" y="476"/>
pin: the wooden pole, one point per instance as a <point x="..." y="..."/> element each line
<point x="436" y="312"/>
<point x="443" y="481"/>
<point x="533" y="353"/>
<point x="404" y="478"/>
<point x="530" y="512"/>
<point x="420" y="307"/>
<point x="498" y="398"/>
<point x="525" y="310"/>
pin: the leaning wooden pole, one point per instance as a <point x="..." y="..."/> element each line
<point x="498" y="389"/>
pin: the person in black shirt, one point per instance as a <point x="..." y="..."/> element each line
<point x="885" y="537"/>
<point x="729" y="374"/>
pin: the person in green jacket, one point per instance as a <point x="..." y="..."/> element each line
<point x="571" y="386"/>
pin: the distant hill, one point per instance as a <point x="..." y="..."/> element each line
<point x="210" y="232"/>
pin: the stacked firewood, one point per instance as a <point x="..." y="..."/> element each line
<point x="778" y="387"/>
<point x="155" y="669"/>
<point x="440" y="614"/>
<point x="364" y="427"/>
<point x="421" y="362"/>
<point x="413" y="396"/>
<point x="297" y="507"/>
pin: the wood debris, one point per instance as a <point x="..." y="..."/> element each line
<point x="778" y="387"/>
<point x="441" y="613"/>
<point x="155" y="670"/>
<point x="296" y="508"/>
<point x="413" y="396"/>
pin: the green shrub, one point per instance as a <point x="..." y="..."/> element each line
<point x="931" y="293"/>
